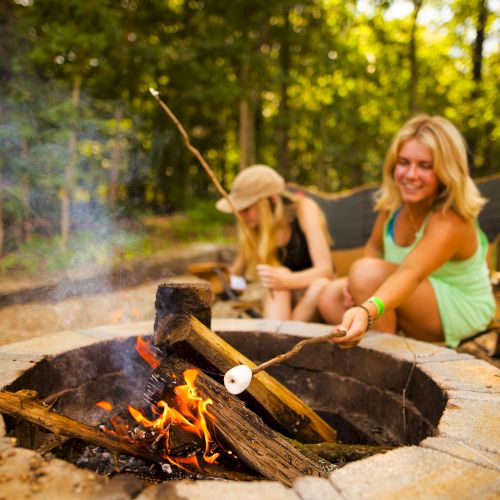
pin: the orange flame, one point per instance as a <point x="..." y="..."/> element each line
<point x="143" y="348"/>
<point x="191" y="416"/>
<point x="105" y="405"/>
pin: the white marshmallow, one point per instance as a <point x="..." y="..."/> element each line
<point x="237" y="379"/>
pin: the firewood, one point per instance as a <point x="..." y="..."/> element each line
<point x="335" y="453"/>
<point x="258" y="446"/>
<point x="174" y="324"/>
<point x="24" y="405"/>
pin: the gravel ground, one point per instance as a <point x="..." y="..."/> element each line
<point x="24" y="321"/>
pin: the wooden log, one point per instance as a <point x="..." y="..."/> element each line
<point x="258" y="446"/>
<point x="334" y="453"/>
<point x="338" y="452"/>
<point x="282" y="405"/>
<point x="180" y="298"/>
<point x="24" y="405"/>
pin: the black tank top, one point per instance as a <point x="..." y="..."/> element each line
<point x="295" y="254"/>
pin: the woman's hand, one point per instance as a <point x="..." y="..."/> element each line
<point x="272" y="277"/>
<point x="355" y="324"/>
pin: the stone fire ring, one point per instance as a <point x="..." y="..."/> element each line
<point x="461" y="461"/>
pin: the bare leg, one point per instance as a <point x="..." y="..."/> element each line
<point x="418" y="316"/>
<point x="307" y="307"/>
<point x="331" y="301"/>
<point x="278" y="305"/>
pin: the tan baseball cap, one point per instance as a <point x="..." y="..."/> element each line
<point x="251" y="185"/>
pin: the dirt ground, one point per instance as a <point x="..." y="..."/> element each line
<point x="134" y="302"/>
<point x="24" y="321"/>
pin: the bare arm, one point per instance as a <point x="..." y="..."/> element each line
<point x="442" y="240"/>
<point x="237" y="268"/>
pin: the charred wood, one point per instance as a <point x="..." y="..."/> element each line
<point x="258" y="446"/>
<point x="24" y="405"/>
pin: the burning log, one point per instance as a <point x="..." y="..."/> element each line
<point x="258" y="446"/>
<point x="176" y="321"/>
<point x="24" y="405"/>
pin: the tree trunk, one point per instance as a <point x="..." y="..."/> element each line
<point x="282" y="132"/>
<point x="116" y="154"/>
<point x="69" y="167"/>
<point x="247" y="117"/>
<point x="417" y="4"/>
<point x="25" y="193"/>
<point x="477" y="70"/>
<point x="477" y="56"/>
<point x="2" y="231"/>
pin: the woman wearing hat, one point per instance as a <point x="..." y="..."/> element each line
<point x="289" y="231"/>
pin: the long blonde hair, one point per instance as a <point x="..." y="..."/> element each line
<point x="457" y="190"/>
<point x="271" y="221"/>
<point x="274" y="214"/>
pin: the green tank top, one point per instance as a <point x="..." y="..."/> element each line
<point x="463" y="289"/>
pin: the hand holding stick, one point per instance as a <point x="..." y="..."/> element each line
<point x="237" y="379"/>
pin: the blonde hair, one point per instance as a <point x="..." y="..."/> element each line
<point x="457" y="190"/>
<point x="274" y="214"/>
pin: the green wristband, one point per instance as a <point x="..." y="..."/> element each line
<point x="380" y="305"/>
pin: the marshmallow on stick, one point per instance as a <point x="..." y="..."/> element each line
<point x="237" y="379"/>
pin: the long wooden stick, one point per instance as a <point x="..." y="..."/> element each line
<point x="207" y="168"/>
<point x="295" y="350"/>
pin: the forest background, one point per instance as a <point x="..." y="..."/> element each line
<point x="92" y="170"/>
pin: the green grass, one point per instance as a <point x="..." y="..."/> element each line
<point x="113" y="244"/>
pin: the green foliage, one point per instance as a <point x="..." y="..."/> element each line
<point x="328" y="83"/>
<point x="202" y="222"/>
<point x="87" y="249"/>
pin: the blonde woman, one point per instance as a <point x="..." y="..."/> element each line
<point x="294" y="259"/>
<point x="424" y="270"/>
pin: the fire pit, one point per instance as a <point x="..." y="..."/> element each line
<point x="443" y="405"/>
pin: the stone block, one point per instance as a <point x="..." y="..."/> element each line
<point x="463" y="451"/>
<point x="215" y="490"/>
<point x="410" y="349"/>
<point x="464" y="375"/>
<point x="473" y="422"/>
<point x="313" y="488"/>
<point x="13" y="366"/>
<point x="49" y="345"/>
<point x="140" y="328"/>
<point x="416" y="473"/>
<point x="25" y="474"/>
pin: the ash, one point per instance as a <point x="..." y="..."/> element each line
<point x="102" y="462"/>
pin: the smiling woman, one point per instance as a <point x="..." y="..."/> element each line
<point x="424" y="268"/>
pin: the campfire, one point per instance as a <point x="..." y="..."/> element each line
<point x="186" y="416"/>
<point x="170" y="416"/>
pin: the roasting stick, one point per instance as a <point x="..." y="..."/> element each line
<point x="210" y="173"/>
<point x="237" y="379"/>
<point x="207" y="168"/>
